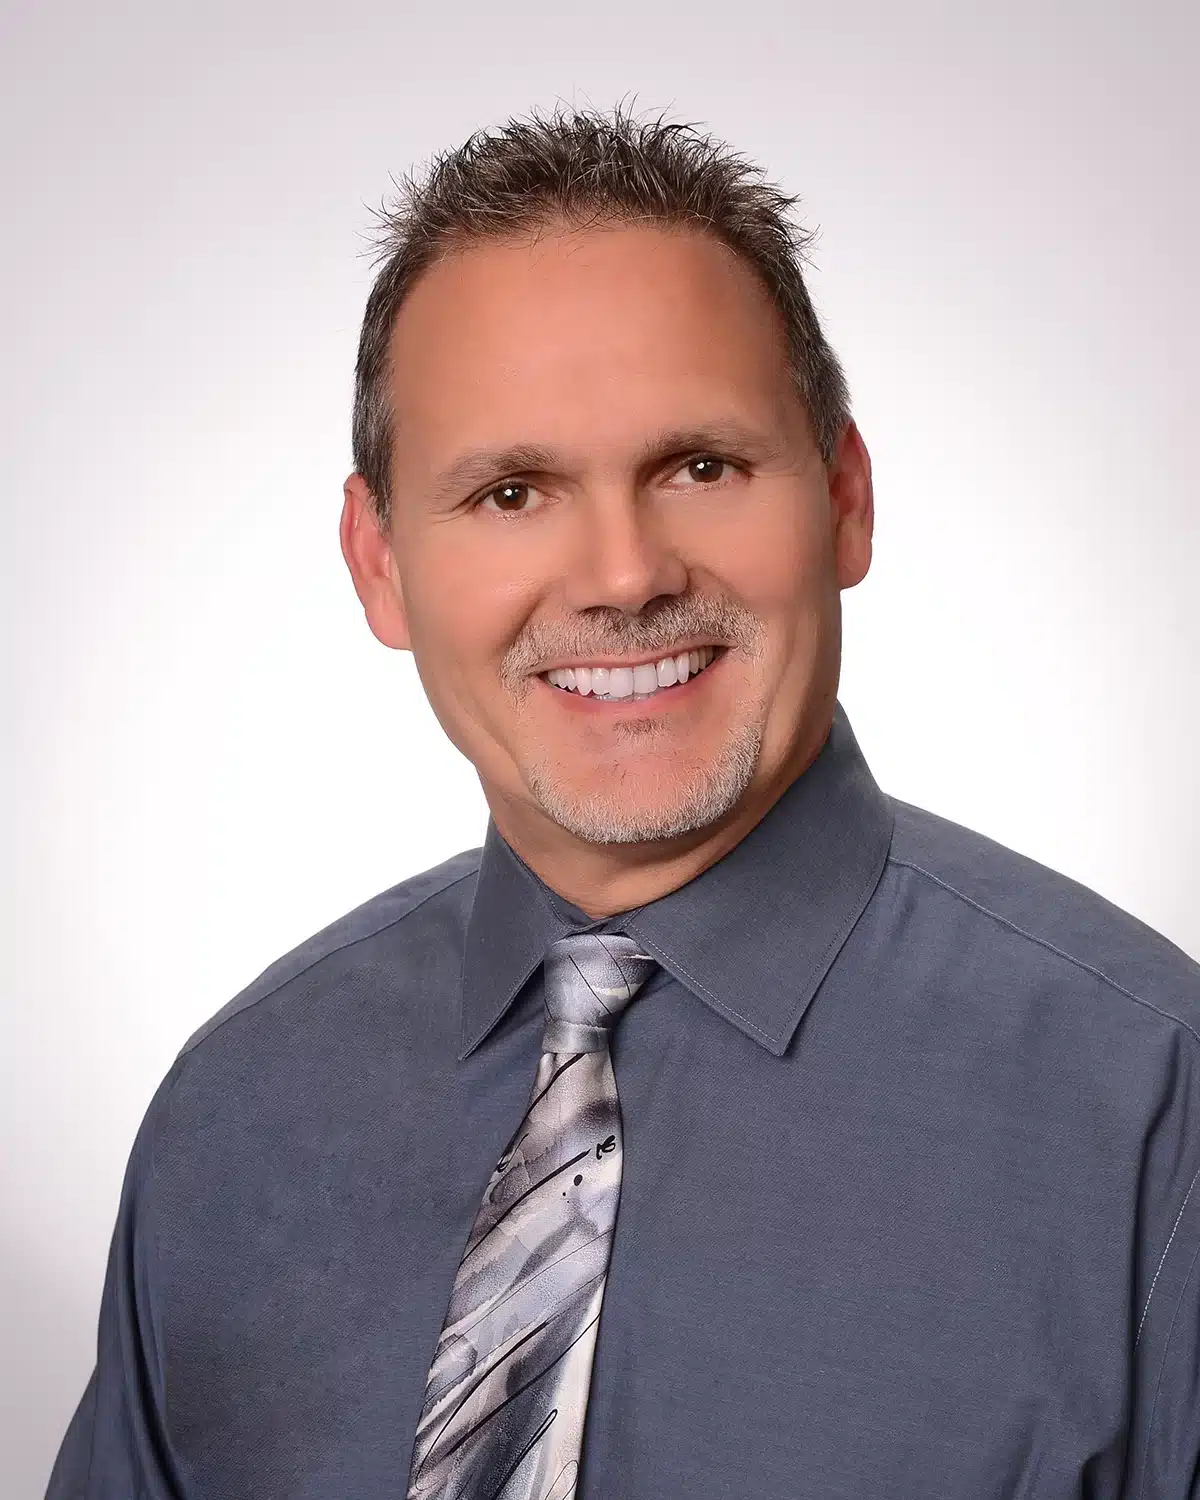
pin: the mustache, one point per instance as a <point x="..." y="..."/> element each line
<point x="608" y="631"/>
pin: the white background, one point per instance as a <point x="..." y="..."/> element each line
<point x="210" y="757"/>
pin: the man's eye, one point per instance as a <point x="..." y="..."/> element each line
<point x="704" y="466"/>
<point x="510" y="497"/>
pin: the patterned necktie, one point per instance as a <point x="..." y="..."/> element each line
<point x="507" y="1392"/>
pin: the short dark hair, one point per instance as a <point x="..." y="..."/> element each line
<point x="580" y="167"/>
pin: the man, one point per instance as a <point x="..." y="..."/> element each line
<point x="901" y="1125"/>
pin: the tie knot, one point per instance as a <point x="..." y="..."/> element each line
<point x="590" y="978"/>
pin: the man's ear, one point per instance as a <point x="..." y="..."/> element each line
<point x="852" y="501"/>
<point x="368" y="553"/>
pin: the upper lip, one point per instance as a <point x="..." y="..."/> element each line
<point x="626" y="661"/>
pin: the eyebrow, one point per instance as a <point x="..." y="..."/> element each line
<point x="478" y="465"/>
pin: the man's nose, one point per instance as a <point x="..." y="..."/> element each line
<point x="621" y="554"/>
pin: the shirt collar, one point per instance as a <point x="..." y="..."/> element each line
<point x="762" y="925"/>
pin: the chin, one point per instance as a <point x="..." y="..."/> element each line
<point x="599" y="823"/>
<point x="611" y="816"/>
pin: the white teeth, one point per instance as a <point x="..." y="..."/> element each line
<point x="626" y="682"/>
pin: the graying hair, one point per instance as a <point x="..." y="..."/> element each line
<point x="576" y="168"/>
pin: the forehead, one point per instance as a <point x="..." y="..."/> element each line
<point x="572" y="329"/>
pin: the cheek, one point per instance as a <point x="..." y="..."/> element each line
<point x="466" y="604"/>
<point x="780" y="565"/>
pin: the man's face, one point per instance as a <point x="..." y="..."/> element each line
<point x="676" y="507"/>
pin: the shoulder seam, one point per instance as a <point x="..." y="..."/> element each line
<point x="362" y="937"/>
<point x="1042" y="942"/>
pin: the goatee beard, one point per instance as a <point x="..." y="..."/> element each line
<point x="609" y="818"/>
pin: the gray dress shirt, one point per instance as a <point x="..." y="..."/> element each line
<point x="912" y="1137"/>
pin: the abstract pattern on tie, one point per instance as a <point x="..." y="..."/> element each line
<point x="506" y="1396"/>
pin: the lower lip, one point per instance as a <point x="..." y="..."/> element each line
<point x="665" y="699"/>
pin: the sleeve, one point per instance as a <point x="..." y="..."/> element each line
<point x="1165" y="1454"/>
<point x="116" y="1446"/>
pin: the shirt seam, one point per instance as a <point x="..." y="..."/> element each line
<point x="362" y="937"/>
<point x="1113" y="984"/>
<point x="1163" y="1257"/>
<point x="712" y="999"/>
<point x="1162" y="1371"/>
<point x="1042" y="942"/>
<point x="777" y="1044"/>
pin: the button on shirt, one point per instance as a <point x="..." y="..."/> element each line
<point x="909" y="1208"/>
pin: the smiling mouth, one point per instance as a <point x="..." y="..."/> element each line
<point x="633" y="684"/>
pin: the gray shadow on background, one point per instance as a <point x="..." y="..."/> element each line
<point x="55" y="1326"/>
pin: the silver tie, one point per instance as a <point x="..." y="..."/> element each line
<point x="507" y="1393"/>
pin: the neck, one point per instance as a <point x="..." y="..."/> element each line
<point x="603" y="879"/>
